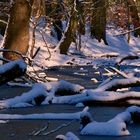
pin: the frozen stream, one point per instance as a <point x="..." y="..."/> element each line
<point x="21" y="129"/>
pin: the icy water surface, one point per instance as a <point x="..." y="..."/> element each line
<point x="22" y="129"/>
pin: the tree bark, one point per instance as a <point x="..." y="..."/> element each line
<point x="98" y="20"/>
<point x="17" y="33"/>
<point x="69" y="35"/>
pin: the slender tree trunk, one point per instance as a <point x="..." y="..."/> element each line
<point x="98" y="20"/>
<point x="70" y="33"/>
<point x="17" y="33"/>
<point x="134" y="16"/>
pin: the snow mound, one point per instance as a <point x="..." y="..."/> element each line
<point x="38" y="90"/>
<point x="63" y="85"/>
<point x="111" y="128"/>
<point x="68" y="136"/>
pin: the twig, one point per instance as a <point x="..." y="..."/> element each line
<point x="128" y="31"/>
<point x="58" y="128"/>
<point x="120" y="72"/>
<point x="36" y="133"/>
<point x="38" y="49"/>
<point x="2" y="21"/>
<point x="45" y="45"/>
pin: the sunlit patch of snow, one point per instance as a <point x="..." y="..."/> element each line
<point x="91" y="49"/>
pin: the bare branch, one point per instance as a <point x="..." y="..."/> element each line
<point x="58" y="128"/>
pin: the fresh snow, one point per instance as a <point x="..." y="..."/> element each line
<point x="9" y="65"/>
<point x="22" y="100"/>
<point x="113" y="127"/>
<point x="48" y="91"/>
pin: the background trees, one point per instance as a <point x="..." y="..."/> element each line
<point x="68" y="19"/>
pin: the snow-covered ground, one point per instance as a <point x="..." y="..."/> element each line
<point x="92" y="51"/>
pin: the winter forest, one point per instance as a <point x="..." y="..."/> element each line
<point x="69" y="69"/>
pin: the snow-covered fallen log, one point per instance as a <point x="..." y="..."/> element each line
<point x="33" y="97"/>
<point x="115" y="84"/>
<point x="12" y="70"/>
<point x="43" y="116"/>
<point x="42" y="94"/>
<point x="106" y="129"/>
<point x="114" y="127"/>
<point x="68" y="136"/>
<point x="66" y="88"/>
<point x="91" y="97"/>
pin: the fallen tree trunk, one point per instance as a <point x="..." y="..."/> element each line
<point x="12" y="70"/>
<point x="124" y="101"/>
<point x="115" y="84"/>
<point x="108" y="98"/>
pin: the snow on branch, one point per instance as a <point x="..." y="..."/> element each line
<point x="12" y="70"/>
<point x="90" y="97"/>
<point x="116" y="126"/>
<point x="44" y="116"/>
<point x="115" y="84"/>
<point x="34" y="97"/>
<point x="120" y="59"/>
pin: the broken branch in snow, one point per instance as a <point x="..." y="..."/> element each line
<point x="128" y="57"/>
<point x="109" y="55"/>
<point x="36" y="133"/>
<point x="115" y="84"/>
<point x="119" y="72"/>
<point x="128" y="32"/>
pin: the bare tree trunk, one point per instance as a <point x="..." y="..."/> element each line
<point x="70" y="33"/>
<point x="17" y="33"/>
<point x="98" y="20"/>
<point x="134" y="16"/>
<point x="38" y="8"/>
